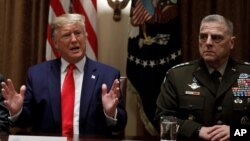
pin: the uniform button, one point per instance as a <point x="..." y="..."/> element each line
<point x="219" y="122"/>
<point x="219" y="108"/>
<point x="244" y="120"/>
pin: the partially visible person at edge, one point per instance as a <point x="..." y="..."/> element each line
<point x="188" y="91"/>
<point x="4" y="122"/>
<point x="98" y="107"/>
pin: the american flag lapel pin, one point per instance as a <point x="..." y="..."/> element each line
<point x="92" y="76"/>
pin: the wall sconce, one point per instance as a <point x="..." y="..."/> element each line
<point x="117" y="5"/>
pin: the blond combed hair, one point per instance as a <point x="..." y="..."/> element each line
<point x="69" y="18"/>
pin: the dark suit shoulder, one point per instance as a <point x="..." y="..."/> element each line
<point x="102" y="65"/>
<point x="45" y="64"/>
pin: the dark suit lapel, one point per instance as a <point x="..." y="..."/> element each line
<point x="88" y="87"/>
<point x="54" y="84"/>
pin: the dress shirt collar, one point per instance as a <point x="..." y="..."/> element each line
<point x="79" y="65"/>
<point x="221" y="69"/>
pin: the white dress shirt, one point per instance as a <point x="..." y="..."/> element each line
<point x="78" y="78"/>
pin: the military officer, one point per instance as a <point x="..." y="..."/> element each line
<point x="209" y="94"/>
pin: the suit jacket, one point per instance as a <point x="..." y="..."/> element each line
<point x="4" y="113"/>
<point x="189" y="94"/>
<point x="42" y="104"/>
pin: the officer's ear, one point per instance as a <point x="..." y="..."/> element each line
<point x="232" y="42"/>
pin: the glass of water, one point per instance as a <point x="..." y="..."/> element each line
<point x="169" y="128"/>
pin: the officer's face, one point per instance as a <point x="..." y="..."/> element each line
<point x="215" y="43"/>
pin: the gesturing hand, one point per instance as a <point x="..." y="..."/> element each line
<point x="110" y="99"/>
<point x="13" y="100"/>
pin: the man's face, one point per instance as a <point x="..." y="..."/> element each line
<point x="70" y="40"/>
<point x="215" y="43"/>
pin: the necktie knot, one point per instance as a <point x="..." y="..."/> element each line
<point x="71" y="67"/>
<point x="216" y="74"/>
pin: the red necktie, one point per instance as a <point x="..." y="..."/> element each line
<point x="68" y="96"/>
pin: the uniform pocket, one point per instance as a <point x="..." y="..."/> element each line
<point x="241" y="104"/>
<point x="190" y="102"/>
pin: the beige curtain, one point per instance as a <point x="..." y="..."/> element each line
<point x="22" y="36"/>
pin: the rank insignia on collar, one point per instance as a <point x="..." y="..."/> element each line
<point x="194" y="86"/>
<point x="233" y="69"/>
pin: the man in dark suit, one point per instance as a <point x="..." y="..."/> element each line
<point x="98" y="106"/>
<point x="205" y="104"/>
<point x="4" y="122"/>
